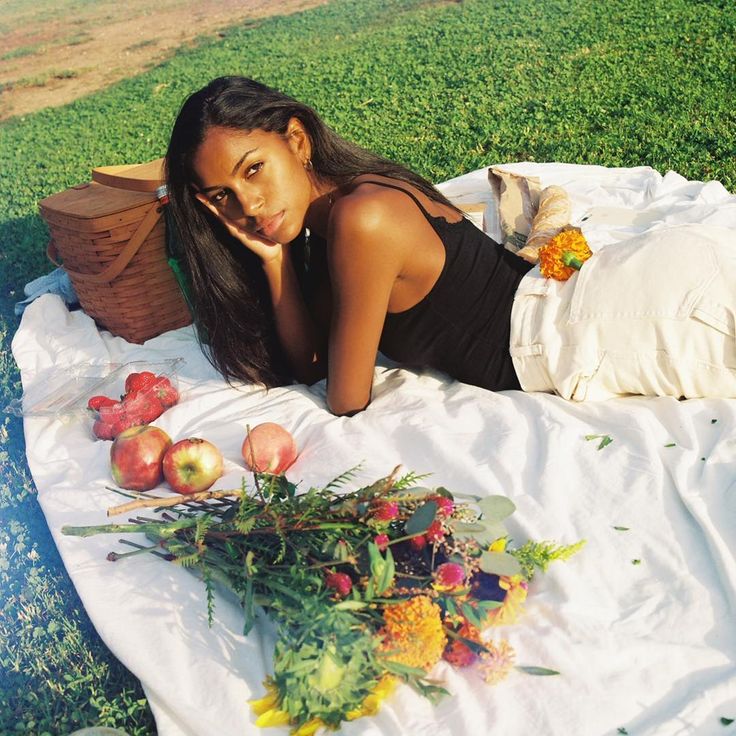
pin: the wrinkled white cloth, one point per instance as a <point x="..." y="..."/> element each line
<point x="640" y="624"/>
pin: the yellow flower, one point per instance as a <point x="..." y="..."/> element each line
<point x="309" y="728"/>
<point x="513" y="604"/>
<point x="372" y="702"/>
<point x="413" y="634"/>
<point x="499" y="545"/>
<point x="497" y="662"/>
<point x="273" y="717"/>
<point x="267" y="708"/>
<point x="564" y="254"/>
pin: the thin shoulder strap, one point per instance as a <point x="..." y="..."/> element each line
<point x="401" y="189"/>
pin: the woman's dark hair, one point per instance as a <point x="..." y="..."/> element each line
<point x="229" y="294"/>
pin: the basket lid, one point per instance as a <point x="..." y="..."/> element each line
<point x="140" y="178"/>
<point x="91" y="200"/>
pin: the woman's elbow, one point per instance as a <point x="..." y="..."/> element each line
<point x="344" y="406"/>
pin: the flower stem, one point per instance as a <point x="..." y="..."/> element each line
<point x="569" y="259"/>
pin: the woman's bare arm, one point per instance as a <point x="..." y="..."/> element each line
<point x="296" y="329"/>
<point x="365" y="257"/>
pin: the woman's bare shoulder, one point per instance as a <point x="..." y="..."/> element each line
<point x="367" y="207"/>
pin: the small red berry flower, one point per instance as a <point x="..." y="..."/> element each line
<point x="445" y="506"/>
<point x="340" y="583"/>
<point x="386" y="511"/>
<point x="449" y="575"/>
<point x="419" y="542"/>
<point x="381" y="541"/>
<point x="435" y="532"/>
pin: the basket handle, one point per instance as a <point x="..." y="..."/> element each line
<point x="124" y="257"/>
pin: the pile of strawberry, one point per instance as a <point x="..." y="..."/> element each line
<point x="146" y="397"/>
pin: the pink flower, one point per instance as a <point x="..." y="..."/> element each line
<point x="381" y="541"/>
<point x="386" y="511"/>
<point x="435" y="532"/>
<point x="450" y="575"/>
<point x="419" y="542"/>
<point x="340" y="583"/>
<point x="445" y="506"/>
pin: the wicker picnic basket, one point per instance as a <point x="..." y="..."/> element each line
<point x="111" y="237"/>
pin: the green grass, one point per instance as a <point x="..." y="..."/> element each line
<point x="444" y="87"/>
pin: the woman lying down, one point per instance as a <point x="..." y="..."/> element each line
<point x="307" y="255"/>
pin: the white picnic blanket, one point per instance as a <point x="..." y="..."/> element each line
<point x="640" y="624"/>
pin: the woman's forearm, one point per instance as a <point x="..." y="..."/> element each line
<point x="294" y="324"/>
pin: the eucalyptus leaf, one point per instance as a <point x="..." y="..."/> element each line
<point x="484" y="532"/>
<point x="538" y="671"/>
<point x="500" y="563"/>
<point x="467" y="529"/>
<point x="420" y="520"/>
<point x="496" y="508"/>
<point x="419" y="491"/>
<point x="350" y="605"/>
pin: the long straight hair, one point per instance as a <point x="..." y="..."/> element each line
<point x="229" y="293"/>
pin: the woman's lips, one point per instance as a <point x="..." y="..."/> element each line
<point x="268" y="227"/>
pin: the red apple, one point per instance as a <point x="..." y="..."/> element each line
<point x="269" y="448"/>
<point x="192" y="465"/>
<point x="136" y="457"/>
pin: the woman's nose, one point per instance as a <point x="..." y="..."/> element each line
<point x="250" y="204"/>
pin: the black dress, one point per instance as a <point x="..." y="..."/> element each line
<point x="462" y="326"/>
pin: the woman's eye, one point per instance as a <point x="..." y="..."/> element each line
<point x="253" y="169"/>
<point x="219" y="197"/>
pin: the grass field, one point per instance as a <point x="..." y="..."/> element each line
<point x="444" y="87"/>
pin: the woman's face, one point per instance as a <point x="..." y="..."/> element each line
<point x="256" y="179"/>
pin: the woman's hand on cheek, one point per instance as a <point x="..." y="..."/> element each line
<point x="267" y="250"/>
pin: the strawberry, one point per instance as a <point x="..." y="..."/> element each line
<point x="142" y="405"/>
<point x="165" y="392"/>
<point x="112" y="413"/>
<point x="120" y="425"/>
<point x="129" y="382"/>
<point x="99" y="401"/>
<point x="140" y="381"/>
<point x="103" y="430"/>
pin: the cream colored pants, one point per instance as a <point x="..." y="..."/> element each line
<point x="653" y="315"/>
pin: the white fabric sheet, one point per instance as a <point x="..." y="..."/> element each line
<point x="649" y="647"/>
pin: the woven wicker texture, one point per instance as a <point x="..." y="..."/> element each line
<point x="113" y="245"/>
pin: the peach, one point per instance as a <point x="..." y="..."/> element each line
<point x="269" y="448"/>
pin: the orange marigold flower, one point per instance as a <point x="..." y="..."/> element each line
<point x="564" y="254"/>
<point x="413" y="634"/>
<point x="497" y="662"/>
<point x="513" y="604"/>
<point x="457" y="652"/>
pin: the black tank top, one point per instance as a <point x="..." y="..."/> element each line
<point x="462" y="326"/>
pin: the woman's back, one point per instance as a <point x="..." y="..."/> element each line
<point x="462" y="324"/>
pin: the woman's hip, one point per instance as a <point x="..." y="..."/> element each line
<point x="655" y="315"/>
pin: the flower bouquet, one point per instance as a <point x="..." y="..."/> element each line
<point x="367" y="587"/>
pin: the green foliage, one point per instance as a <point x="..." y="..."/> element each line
<point x="325" y="663"/>
<point x="538" y="555"/>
